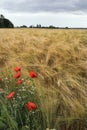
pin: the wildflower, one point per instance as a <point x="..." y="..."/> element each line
<point x="31" y="106"/>
<point x="17" y="69"/>
<point x="11" y="95"/>
<point x="20" y="81"/>
<point x="17" y="75"/>
<point x="33" y="74"/>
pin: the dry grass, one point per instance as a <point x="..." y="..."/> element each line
<point x="60" y="59"/>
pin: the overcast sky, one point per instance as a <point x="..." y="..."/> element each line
<point x="62" y="13"/>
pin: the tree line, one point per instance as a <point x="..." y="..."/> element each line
<point x="6" y="23"/>
<point x="40" y="26"/>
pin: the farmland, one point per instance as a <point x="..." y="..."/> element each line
<point x="59" y="57"/>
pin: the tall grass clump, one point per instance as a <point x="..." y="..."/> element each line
<point x="60" y="58"/>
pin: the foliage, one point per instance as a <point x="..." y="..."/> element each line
<point x="5" y="23"/>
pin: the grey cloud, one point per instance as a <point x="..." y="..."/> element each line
<point x="44" y="6"/>
<point x="82" y="5"/>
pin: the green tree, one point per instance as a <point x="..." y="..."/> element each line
<point x="5" y="23"/>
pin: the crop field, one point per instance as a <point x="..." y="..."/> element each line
<point x="58" y="59"/>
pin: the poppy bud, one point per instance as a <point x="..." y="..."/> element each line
<point x="20" y="81"/>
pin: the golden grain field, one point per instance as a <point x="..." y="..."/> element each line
<point x="60" y="59"/>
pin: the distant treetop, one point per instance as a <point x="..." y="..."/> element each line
<point x="5" y="23"/>
<point x="1" y="16"/>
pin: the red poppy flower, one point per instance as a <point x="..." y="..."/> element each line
<point x="31" y="106"/>
<point x="11" y="95"/>
<point x="17" y="75"/>
<point x="33" y="74"/>
<point x="20" y="81"/>
<point x="18" y="68"/>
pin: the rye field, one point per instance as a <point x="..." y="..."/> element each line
<point x="43" y="79"/>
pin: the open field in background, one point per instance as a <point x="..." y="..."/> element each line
<point x="60" y="59"/>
